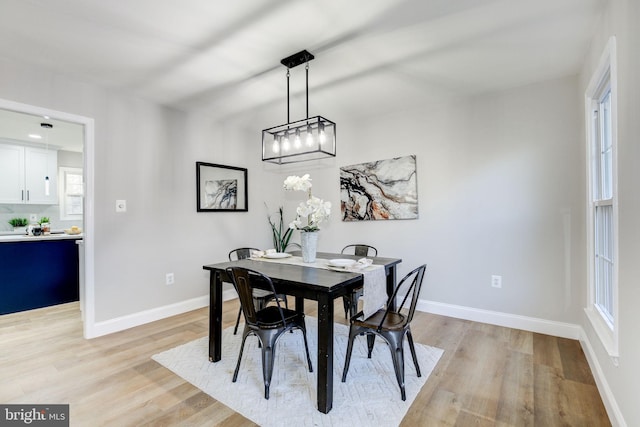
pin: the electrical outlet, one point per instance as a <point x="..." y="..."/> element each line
<point x="169" y="279"/>
<point x="33" y="217"/>
<point x="496" y="281"/>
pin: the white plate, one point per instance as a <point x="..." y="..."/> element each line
<point x="342" y="262"/>
<point x="276" y="255"/>
<point x="340" y="269"/>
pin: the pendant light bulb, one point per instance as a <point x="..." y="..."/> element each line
<point x="309" y="136"/>
<point x="276" y="146"/>
<point x="322" y="137"/>
<point x="285" y="142"/>
<point x="296" y="142"/>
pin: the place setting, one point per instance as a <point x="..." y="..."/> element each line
<point x="349" y="265"/>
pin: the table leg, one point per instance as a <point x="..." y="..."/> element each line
<point x="300" y="305"/>
<point x="215" y="317"/>
<point x="391" y="284"/>
<point x="325" y="353"/>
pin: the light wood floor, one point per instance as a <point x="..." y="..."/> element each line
<point x="488" y="375"/>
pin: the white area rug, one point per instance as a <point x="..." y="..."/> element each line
<point x="369" y="397"/>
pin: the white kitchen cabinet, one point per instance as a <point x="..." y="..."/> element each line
<point x="22" y="175"/>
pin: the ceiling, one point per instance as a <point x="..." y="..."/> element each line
<point x="20" y="127"/>
<point x="223" y="57"/>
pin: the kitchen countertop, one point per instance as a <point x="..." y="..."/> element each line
<point x="25" y="238"/>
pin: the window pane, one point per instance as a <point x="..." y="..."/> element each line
<point x="605" y="148"/>
<point x="604" y="260"/>
<point x="71" y="196"/>
<point x="74" y="205"/>
<point x="73" y="183"/>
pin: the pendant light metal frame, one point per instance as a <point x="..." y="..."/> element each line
<point x="314" y="138"/>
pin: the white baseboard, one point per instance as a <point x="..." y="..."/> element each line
<point x="609" y="401"/>
<point x="131" y="320"/>
<point x="542" y="326"/>
<point x="147" y="316"/>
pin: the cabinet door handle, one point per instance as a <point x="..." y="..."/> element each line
<point x="27" y="195"/>
<point x="22" y="196"/>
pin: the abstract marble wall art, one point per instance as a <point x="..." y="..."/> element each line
<point x="221" y="194"/>
<point x="385" y="189"/>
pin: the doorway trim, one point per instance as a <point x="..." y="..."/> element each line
<point x="89" y="218"/>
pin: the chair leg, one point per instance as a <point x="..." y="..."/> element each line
<point x="353" y="333"/>
<point x="306" y="347"/>
<point x="413" y="352"/>
<point x="353" y="300"/>
<point x="397" y="355"/>
<point x="235" y="373"/>
<point x="371" y="340"/>
<point x="235" y="330"/>
<point x="268" y="357"/>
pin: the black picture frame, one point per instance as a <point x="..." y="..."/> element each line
<point x="221" y="188"/>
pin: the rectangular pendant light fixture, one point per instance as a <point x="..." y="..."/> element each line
<point x="312" y="138"/>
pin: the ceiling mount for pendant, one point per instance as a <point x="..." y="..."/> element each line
<point x="318" y="133"/>
<point x="297" y="59"/>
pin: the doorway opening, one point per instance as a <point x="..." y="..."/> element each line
<point x="86" y="251"/>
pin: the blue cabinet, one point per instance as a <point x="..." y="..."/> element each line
<point x="39" y="273"/>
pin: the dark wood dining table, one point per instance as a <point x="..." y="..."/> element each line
<point x="301" y="282"/>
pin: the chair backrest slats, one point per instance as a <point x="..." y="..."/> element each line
<point x="360" y="249"/>
<point x="242" y="279"/>
<point x="411" y="284"/>
<point x="240" y="253"/>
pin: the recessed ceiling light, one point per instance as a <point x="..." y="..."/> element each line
<point x="35" y="136"/>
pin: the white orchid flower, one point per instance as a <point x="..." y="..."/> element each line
<point x="313" y="211"/>
<point x="297" y="183"/>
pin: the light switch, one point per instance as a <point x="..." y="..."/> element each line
<point x="121" y="205"/>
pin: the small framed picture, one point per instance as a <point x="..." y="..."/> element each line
<point x="221" y="188"/>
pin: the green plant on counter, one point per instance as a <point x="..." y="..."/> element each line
<point x="18" y="222"/>
<point x="44" y="219"/>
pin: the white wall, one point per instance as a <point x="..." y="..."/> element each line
<point x="621" y="21"/>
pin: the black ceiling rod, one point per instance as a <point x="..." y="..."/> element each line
<point x="288" y="119"/>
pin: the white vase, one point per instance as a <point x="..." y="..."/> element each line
<point x="309" y="243"/>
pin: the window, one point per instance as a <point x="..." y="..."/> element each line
<point x="71" y="193"/>
<point x="602" y="308"/>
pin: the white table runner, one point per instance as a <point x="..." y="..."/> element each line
<point x="374" y="295"/>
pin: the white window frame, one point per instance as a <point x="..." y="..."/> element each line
<point x="603" y="79"/>
<point x="62" y="192"/>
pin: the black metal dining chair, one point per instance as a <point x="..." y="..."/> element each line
<point x="268" y="323"/>
<point x="260" y="297"/>
<point x="391" y="326"/>
<point x="350" y="302"/>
